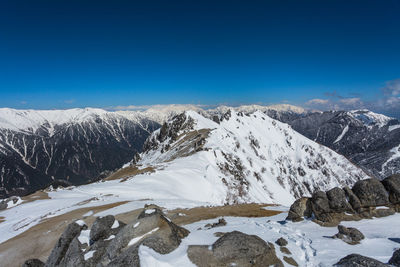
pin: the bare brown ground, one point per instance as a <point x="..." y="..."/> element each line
<point x="38" y="195"/>
<point x="206" y="213"/>
<point x="128" y="172"/>
<point x="38" y="241"/>
<point x="1" y="219"/>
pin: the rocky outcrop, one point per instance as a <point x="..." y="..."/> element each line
<point x="395" y="259"/>
<point x="112" y="243"/>
<point x="235" y="249"/>
<point x="33" y="263"/>
<point x="281" y="242"/>
<point x="349" y="235"/>
<point x="356" y="260"/>
<point x="392" y="185"/>
<point x="368" y="198"/>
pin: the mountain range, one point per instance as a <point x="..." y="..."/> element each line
<point x="38" y="148"/>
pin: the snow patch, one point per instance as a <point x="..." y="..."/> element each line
<point x="136" y="239"/>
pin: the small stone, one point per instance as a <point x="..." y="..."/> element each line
<point x="281" y="242"/>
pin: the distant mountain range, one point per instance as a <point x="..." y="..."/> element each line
<point x="37" y="148"/>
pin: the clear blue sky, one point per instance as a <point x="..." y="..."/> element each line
<point x="60" y="54"/>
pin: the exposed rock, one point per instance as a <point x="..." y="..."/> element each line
<point x="285" y="250"/>
<point x="349" y="235"/>
<point x="290" y="260"/>
<point x="395" y="259"/>
<point x="33" y="263"/>
<point x="57" y="254"/>
<point x="3" y="205"/>
<point x="299" y="209"/>
<point x="221" y="222"/>
<point x="320" y="203"/>
<point x="392" y="185"/>
<point x="281" y="242"/>
<point x="152" y="229"/>
<point x="353" y="199"/>
<point x="371" y="193"/>
<point x="356" y="260"/>
<point x="102" y="228"/>
<point x="235" y="248"/>
<point x="337" y="200"/>
<point x="73" y="256"/>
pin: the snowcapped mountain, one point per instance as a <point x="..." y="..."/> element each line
<point x="368" y="139"/>
<point x="77" y="145"/>
<point x="242" y="158"/>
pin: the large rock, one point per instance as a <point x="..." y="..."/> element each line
<point x="57" y="254"/>
<point x="395" y="259"/>
<point x="105" y="226"/>
<point x="356" y="260"/>
<point x="349" y="235"/>
<point x="337" y="200"/>
<point x="235" y="249"/>
<point x="73" y="256"/>
<point x="392" y="185"/>
<point x="33" y="263"/>
<point x="299" y="209"/>
<point x="352" y="198"/>
<point x="371" y="193"/>
<point x="152" y="229"/>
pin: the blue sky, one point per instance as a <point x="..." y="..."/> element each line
<point x="325" y="54"/>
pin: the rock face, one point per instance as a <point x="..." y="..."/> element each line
<point x="362" y="201"/>
<point x="235" y="249"/>
<point x="113" y="243"/>
<point x="60" y="250"/>
<point x="368" y="139"/>
<point x="281" y="242"/>
<point x="356" y="260"/>
<point x="395" y="259"/>
<point x="349" y="235"/>
<point x="392" y="185"/>
<point x="75" y="145"/>
<point x="33" y="263"/>
<point x="371" y="193"/>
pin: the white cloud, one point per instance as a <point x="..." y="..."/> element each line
<point x="317" y="101"/>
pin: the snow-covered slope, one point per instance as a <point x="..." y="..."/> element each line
<point x="244" y="158"/>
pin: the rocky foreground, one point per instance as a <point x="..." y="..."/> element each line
<point x="111" y="242"/>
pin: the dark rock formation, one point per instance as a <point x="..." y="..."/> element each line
<point x="235" y="248"/>
<point x="113" y="243"/>
<point x="349" y="235"/>
<point x="392" y="185"/>
<point x="299" y="209"/>
<point x="368" y="198"/>
<point x="33" y="263"/>
<point x="356" y="260"/>
<point x="371" y="193"/>
<point x="281" y="242"/>
<point x="59" y="251"/>
<point x="395" y="259"/>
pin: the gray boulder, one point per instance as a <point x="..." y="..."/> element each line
<point x="235" y="249"/>
<point x="57" y="254"/>
<point x="371" y="193"/>
<point x="349" y="235"/>
<point x="299" y="209"/>
<point x="392" y="185"/>
<point x="352" y="198"/>
<point x="395" y="259"/>
<point x="102" y="228"/>
<point x="337" y="200"/>
<point x="33" y="263"/>
<point x="152" y="229"/>
<point x="281" y="242"/>
<point x="356" y="260"/>
<point x="73" y="256"/>
<point x="3" y="205"/>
